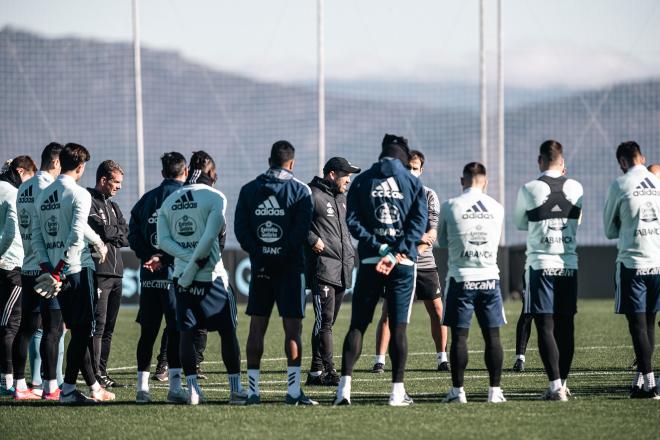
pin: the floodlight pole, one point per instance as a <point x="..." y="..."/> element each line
<point x="482" y="85"/>
<point x="500" y="116"/>
<point x="139" y="133"/>
<point x="321" y="82"/>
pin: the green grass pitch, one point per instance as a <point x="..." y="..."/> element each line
<point x="599" y="383"/>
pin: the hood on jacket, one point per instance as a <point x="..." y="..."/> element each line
<point x="388" y="167"/>
<point x="325" y="185"/>
<point x="274" y="178"/>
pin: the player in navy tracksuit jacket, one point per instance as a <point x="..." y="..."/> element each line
<point x="387" y="213"/>
<point x="273" y="217"/>
<point x="157" y="297"/>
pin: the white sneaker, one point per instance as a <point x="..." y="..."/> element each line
<point x="454" y="396"/>
<point x="404" y="400"/>
<point x="496" y="397"/>
<point x="196" y="398"/>
<point x="179" y="396"/>
<point x="143" y="397"/>
<point x="102" y="395"/>
<point x="559" y="395"/>
<point x="238" y="397"/>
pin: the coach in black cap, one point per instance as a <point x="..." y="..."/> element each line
<point x="330" y="260"/>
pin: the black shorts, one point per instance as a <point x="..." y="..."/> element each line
<point x="208" y="306"/>
<point x="285" y="286"/>
<point x="157" y="299"/>
<point x="78" y="299"/>
<point x="10" y="297"/>
<point x="427" y="285"/>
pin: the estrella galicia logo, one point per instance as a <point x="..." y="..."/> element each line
<point x="269" y="207"/>
<point x="387" y="213"/>
<point x="52" y="202"/>
<point x="477" y="211"/>
<point x="330" y="211"/>
<point x="26" y="196"/>
<point x="645" y="188"/>
<point x="478" y="236"/>
<point x="24" y="219"/>
<point x="269" y="232"/>
<point x="51" y="226"/>
<point x="186" y="201"/>
<point x="647" y="213"/>
<point x="186" y="226"/>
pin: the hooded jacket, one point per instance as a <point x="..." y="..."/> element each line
<point x="106" y="219"/>
<point x="334" y="265"/>
<point x="273" y="217"/>
<point x="386" y="205"/>
<point x="142" y="231"/>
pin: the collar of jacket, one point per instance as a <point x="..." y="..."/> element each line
<point x="326" y="186"/>
<point x="97" y="194"/>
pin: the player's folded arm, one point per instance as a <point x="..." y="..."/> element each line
<point x="414" y="226"/>
<point x="520" y="210"/>
<point x="242" y="230"/>
<point x="611" y="220"/>
<point x="9" y="231"/>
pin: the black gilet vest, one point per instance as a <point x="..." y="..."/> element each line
<point x="557" y="205"/>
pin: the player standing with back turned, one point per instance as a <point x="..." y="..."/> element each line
<point x="632" y="214"/>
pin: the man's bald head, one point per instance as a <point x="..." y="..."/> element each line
<point x="655" y="169"/>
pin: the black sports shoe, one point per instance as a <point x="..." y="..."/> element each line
<point x="103" y="381"/>
<point x="443" y="366"/>
<point x="639" y="393"/>
<point x="200" y="374"/>
<point x="519" y="366"/>
<point x="378" y="368"/>
<point x="330" y="378"/>
<point x="161" y="374"/>
<point x="111" y="383"/>
<point x="315" y="380"/>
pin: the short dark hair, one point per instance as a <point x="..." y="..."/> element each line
<point x="628" y="151"/>
<point x="50" y="153"/>
<point x="73" y="155"/>
<point x="281" y="152"/>
<point x="174" y="164"/>
<point x="201" y="160"/>
<point x="24" y="162"/>
<point x="416" y="154"/>
<point x="551" y="151"/>
<point x="473" y="169"/>
<point x="107" y="168"/>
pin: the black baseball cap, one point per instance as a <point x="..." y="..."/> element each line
<point x="340" y="164"/>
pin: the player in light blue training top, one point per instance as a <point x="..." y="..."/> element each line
<point x="470" y="227"/>
<point x="632" y="215"/>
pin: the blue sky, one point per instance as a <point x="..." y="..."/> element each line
<point x="566" y="43"/>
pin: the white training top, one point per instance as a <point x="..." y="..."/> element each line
<point x="551" y="242"/>
<point x="470" y="227"/>
<point x="631" y="214"/>
<point x="189" y="224"/>
<point x="60" y="230"/>
<point x="11" y="248"/>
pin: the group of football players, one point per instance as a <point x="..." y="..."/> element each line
<point x="61" y="268"/>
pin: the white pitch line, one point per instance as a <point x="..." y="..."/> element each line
<point x="279" y="359"/>
<point x="416" y="379"/>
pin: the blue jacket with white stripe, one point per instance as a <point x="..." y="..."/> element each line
<point x="273" y="217"/>
<point x="387" y="205"/>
